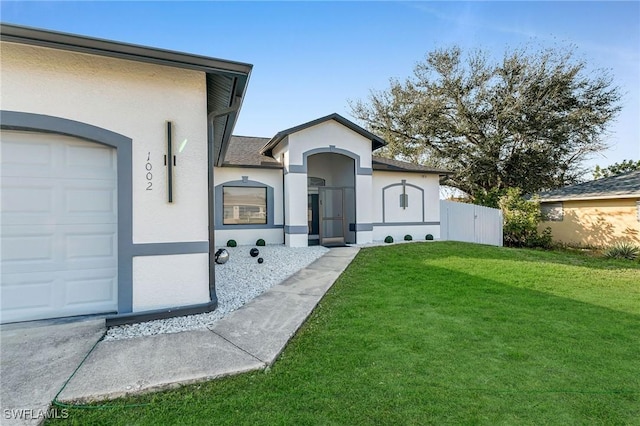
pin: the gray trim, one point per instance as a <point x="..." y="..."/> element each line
<point x="302" y="168"/>
<point x="219" y="206"/>
<point x="360" y="227"/>
<point x="23" y="121"/>
<point x="406" y="223"/>
<point x="296" y="229"/>
<point x="403" y="184"/>
<point x="164" y="249"/>
<point x="134" y="317"/>
<point x="376" y="141"/>
<point x="113" y="49"/>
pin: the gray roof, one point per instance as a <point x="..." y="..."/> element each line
<point x="226" y="80"/>
<point x="376" y="141"/>
<point x="387" y="164"/>
<point x="244" y="151"/>
<point x="626" y="185"/>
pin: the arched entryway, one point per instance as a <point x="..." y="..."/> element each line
<point x="331" y="199"/>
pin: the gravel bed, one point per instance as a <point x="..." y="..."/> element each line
<point x="238" y="281"/>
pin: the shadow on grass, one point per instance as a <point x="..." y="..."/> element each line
<point x="442" y="249"/>
<point x="392" y="343"/>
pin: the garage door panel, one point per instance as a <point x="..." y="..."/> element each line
<point x="18" y="157"/>
<point x="22" y="198"/>
<point x="59" y="227"/>
<point x="92" y="290"/>
<point x="23" y="248"/>
<point x="97" y="201"/>
<point x="95" y="161"/>
<point x="26" y="292"/>
<point x="57" y="248"/>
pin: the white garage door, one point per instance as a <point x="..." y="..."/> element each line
<point x="58" y="227"/>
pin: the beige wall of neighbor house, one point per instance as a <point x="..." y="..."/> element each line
<point x="136" y="100"/>
<point x="597" y="222"/>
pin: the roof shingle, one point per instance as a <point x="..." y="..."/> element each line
<point x="626" y="185"/>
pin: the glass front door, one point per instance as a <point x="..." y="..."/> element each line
<point x="332" y="216"/>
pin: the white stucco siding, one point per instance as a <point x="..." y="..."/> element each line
<point x="249" y="236"/>
<point x="136" y="100"/>
<point x="168" y="281"/>
<point x="393" y="213"/>
<point x="324" y="135"/>
<point x="417" y="232"/>
<point x="270" y="177"/>
<point x="295" y="186"/>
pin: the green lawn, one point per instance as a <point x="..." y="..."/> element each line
<point x="440" y="333"/>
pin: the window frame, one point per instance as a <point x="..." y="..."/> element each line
<point x="224" y="205"/>
<point x="245" y="182"/>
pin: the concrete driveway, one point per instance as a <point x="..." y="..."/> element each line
<point x="35" y="361"/>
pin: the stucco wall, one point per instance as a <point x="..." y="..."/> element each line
<point x="326" y="134"/>
<point x="420" y="217"/>
<point x="245" y="235"/>
<point x="136" y="100"/>
<point x="597" y="222"/>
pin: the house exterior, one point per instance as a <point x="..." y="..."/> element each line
<point x="319" y="183"/>
<point x="597" y="213"/>
<point x="120" y="179"/>
<point x="93" y="221"/>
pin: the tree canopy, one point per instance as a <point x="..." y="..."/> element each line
<point x="527" y="121"/>
<point x="616" y="169"/>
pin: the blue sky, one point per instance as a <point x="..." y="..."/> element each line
<point x="310" y="58"/>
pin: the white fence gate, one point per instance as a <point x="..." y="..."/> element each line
<point x="470" y="223"/>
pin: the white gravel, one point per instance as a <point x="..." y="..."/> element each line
<point x="238" y="281"/>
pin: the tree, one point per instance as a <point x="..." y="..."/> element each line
<point x="616" y="169"/>
<point x="527" y="121"/>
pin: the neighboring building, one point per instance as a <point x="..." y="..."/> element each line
<point x="597" y="213"/>
<point x="120" y="174"/>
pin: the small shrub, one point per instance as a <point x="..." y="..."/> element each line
<point x="260" y="242"/>
<point x="429" y="237"/>
<point x="388" y="239"/>
<point x="622" y="251"/>
<point x="521" y="218"/>
<point x="408" y="237"/>
<point x="232" y="243"/>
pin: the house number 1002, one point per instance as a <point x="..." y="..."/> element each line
<point x="149" y="175"/>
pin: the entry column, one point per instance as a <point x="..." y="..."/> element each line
<point x="296" y="230"/>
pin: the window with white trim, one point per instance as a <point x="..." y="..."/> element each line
<point x="244" y="205"/>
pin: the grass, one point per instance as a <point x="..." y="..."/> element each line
<point x="439" y="333"/>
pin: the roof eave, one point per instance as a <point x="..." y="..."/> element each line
<point x="587" y="198"/>
<point x="376" y="141"/>
<point x="102" y="47"/>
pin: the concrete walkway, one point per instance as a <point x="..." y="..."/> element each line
<point x="250" y="338"/>
<point x="36" y="360"/>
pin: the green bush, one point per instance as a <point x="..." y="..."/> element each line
<point x="622" y="251"/>
<point x="429" y="237"/>
<point x="232" y="243"/>
<point x="521" y="218"/>
<point x="388" y="239"/>
<point x="408" y="237"/>
<point x="260" y="242"/>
